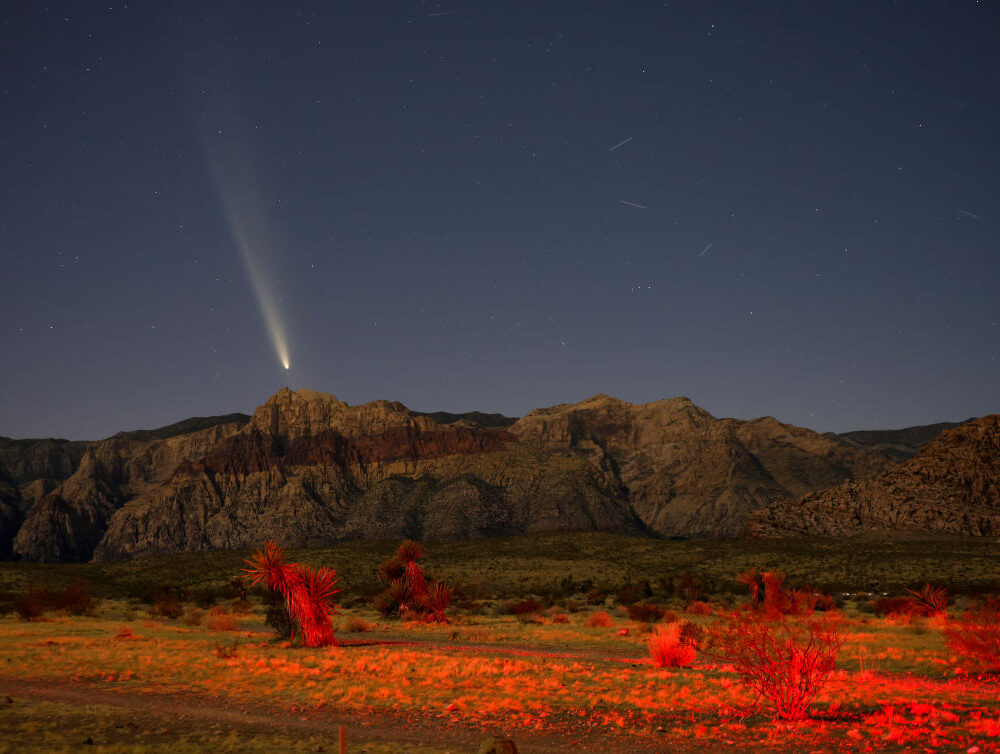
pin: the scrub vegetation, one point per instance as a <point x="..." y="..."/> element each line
<point x="685" y="661"/>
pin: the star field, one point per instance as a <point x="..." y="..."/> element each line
<point x="772" y="208"/>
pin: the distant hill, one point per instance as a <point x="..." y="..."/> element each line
<point x="898" y="443"/>
<point x="951" y="485"/>
<point x="474" y="418"/>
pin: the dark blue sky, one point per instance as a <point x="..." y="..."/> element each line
<point x="433" y="200"/>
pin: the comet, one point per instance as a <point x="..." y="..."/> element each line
<point x="236" y="183"/>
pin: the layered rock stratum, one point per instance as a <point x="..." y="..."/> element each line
<point x="951" y="485"/>
<point x="308" y="469"/>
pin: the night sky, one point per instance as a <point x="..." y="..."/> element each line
<point x="785" y="209"/>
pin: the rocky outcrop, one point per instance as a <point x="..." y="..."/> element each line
<point x="950" y="485"/>
<point x="686" y="473"/>
<point x="66" y="522"/>
<point x="310" y="470"/>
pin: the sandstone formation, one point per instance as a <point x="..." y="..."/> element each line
<point x="66" y="521"/>
<point x="309" y="469"/>
<point x="686" y="473"/>
<point x="951" y="485"/>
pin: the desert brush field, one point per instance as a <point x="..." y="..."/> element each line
<point x="585" y="642"/>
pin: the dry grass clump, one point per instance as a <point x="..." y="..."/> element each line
<point x="558" y="616"/>
<point x="698" y="608"/>
<point x="219" y="620"/>
<point x="193" y="616"/>
<point x="600" y="619"/>
<point x="670" y="647"/>
<point x="355" y="625"/>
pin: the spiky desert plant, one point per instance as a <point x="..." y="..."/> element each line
<point x="308" y="593"/>
<point x="435" y="601"/>
<point x="314" y="605"/>
<point x="931" y="600"/>
<point x="267" y="568"/>
<point x="409" y="551"/>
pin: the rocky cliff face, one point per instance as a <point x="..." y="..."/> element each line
<point x="950" y="485"/>
<point x="65" y="521"/>
<point x="28" y="469"/>
<point x="686" y="473"/>
<point x="309" y="470"/>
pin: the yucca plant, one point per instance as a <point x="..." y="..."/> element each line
<point x="308" y="593"/>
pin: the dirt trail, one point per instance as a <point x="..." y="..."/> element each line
<point x="203" y="710"/>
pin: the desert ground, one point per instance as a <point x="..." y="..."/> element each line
<point x="547" y="644"/>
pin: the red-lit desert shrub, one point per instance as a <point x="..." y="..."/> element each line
<point x="525" y="607"/>
<point x="931" y="600"/>
<point x="75" y="599"/>
<point x="193" y="616"/>
<point x="769" y="593"/>
<point x="699" y="608"/>
<point x="308" y="593"/>
<point x="31" y="604"/>
<point x="357" y="625"/>
<point x="595" y="597"/>
<point x="167" y="603"/>
<point x="670" y="648"/>
<point x="976" y="634"/>
<point x="645" y="613"/>
<point x="241" y="607"/>
<point x="785" y="659"/>
<point x="600" y="619"/>
<point x="898" y="607"/>
<point x="219" y="621"/>
<point x="556" y="615"/>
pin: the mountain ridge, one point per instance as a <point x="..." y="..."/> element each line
<point x="314" y="469"/>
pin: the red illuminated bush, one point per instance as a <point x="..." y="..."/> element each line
<point x="599" y="619"/>
<point x="75" y="598"/>
<point x="645" y="613"/>
<point x="31" y="604"/>
<point x="407" y="593"/>
<point x="786" y="659"/>
<point x="898" y="607"/>
<point x="308" y="593"/>
<point x="976" y="634"/>
<point x="671" y="647"/>
<point x="770" y="594"/>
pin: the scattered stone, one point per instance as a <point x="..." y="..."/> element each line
<point x="497" y="745"/>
